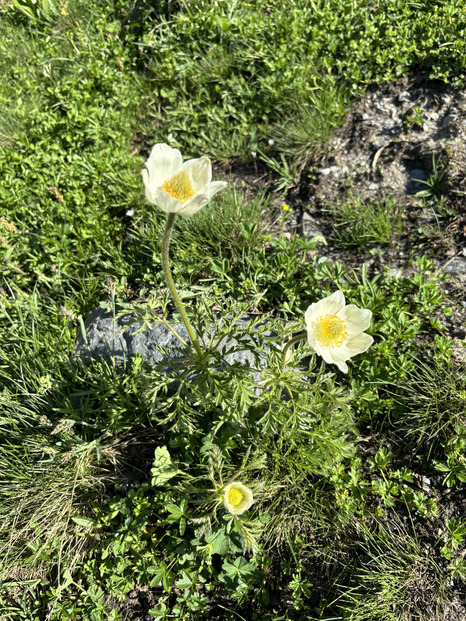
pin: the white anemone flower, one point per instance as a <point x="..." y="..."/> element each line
<point x="237" y="498"/>
<point x="177" y="187"/>
<point x="336" y="331"/>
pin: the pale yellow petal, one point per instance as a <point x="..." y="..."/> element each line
<point x="147" y="189"/>
<point x="341" y="364"/>
<point x="330" y="305"/>
<point x="200" y="171"/>
<point x="163" y="163"/>
<point x="215" y="187"/>
<point x="194" y="205"/>
<point x="359" y="343"/>
<point x="357" y="319"/>
<point x="246" y="501"/>
<point x="167" y="203"/>
<point x="324" y="352"/>
<point x="338" y="356"/>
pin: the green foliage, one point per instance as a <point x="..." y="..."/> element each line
<point x="112" y="477"/>
<point x="312" y="125"/>
<point x="223" y="71"/>
<point x="226" y="230"/>
<point x="277" y="274"/>
<point x="360" y="222"/>
<point x="388" y="570"/>
<point x="453" y="540"/>
<point x="65" y="157"/>
<point x="436" y="182"/>
<point x="37" y="9"/>
<point x="432" y="403"/>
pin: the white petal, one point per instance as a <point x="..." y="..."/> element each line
<point x="342" y="366"/>
<point x="353" y="346"/>
<point x="145" y="179"/>
<point x="334" y="355"/>
<point x="331" y="305"/>
<point x="215" y="187"/>
<point x="194" y="205"/>
<point x="200" y="171"/>
<point x="167" y="203"/>
<point x="357" y="319"/>
<point x="163" y="163"/>
<point x="325" y="353"/>
<point x="359" y="343"/>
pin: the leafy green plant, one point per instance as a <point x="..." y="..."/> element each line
<point x="37" y="9"/>
<point x="113" y="477"/>
<point x="416" y="118"/>
<point x="436" y="182"/>
<point x="288" y="175"/>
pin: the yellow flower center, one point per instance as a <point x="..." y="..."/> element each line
<point x="179" y="187"/>
<point x="330" y="331"/>
<point x="234" y="497"/>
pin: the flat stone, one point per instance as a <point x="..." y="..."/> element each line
<point x="426" y="484"/>
<point x="395" y="271"/>
<point x="116" y="339"/>
<point x="310" y="226"/>
<point x="457" y="266"/>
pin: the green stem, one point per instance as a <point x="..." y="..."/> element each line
<point x="295" y="339"/>
<point x="171" y="284"/>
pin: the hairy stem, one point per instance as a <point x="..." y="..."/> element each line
<point x="295" y="339"/>
<point x="171" y="284"/>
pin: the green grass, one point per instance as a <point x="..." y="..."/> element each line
<point x="359" y="222"/>
<point x="394" y="580"/>
<point x="432" y="403"/>
<point x="111" y="476"/>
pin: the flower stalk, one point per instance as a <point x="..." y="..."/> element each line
<point x="171" y="283"/>
<point x="299" y="337"/>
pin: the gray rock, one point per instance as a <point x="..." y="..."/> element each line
<point x="457" y="266"/>
<point x="415" y="184"/>
<point x="426" y="484"/>
<point x="379" y="120"/>
<point x="395" y="271"/>
<point x="111" y="338"/>
<point x="310" y="226"/>
<point x="404" y="96"/>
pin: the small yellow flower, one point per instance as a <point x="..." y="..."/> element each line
<point x="286" y="207"/>
<point x="336" y="331"/>
<point x="237" y="498"/>
<point x="177" y="187"/>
